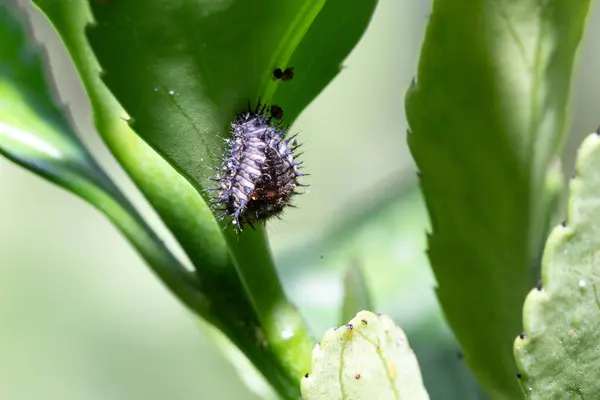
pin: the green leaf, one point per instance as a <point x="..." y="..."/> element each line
<point x="557" y="355"/>
<point x="369" y="358"/>
<point x="34" y="131"/>
<point x="219" y="290"/>
<point x="159" y="51"/>
<point x="203" y="64"/>
<point x="356" y="292"/>
<point x="182" y="103"/>
<point x="487" y="114"/>
<point x="36" y="134"/>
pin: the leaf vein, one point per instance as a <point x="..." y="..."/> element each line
<point x="382" y="359"/>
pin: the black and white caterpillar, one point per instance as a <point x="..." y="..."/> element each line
<point x="259" y="173"/>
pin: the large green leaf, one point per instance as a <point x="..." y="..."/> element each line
<point x="182" y="70"/>
<point x="169" y="91"/>
<point x="35" y="133"/>
<point x="203" y="63"/>
<point x="557" y="354"/>
<point x="487" y="113"/>
<point x="184" y="212"/>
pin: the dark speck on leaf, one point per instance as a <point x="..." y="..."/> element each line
<point x="277" y="74"/>
<point x="288" y="74"/>
<point x="276" y="112"/>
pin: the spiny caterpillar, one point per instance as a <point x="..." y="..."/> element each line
<point x="258" y="174"/>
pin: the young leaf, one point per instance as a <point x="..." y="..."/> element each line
<point x="356" y="292"/>
<point x="369" y="358"/>
<point x="36" y="134"/>
<point x="557" y="355"/>
<point x="487" y="114"/>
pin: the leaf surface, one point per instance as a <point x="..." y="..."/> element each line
<point x="368" y="358"/>
<point x="557" y="354"/>
<point x="183" y="69"/>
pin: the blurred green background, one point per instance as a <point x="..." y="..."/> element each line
<point x="81" y="317"/>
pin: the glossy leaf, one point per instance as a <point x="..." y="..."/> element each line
<point x="35" y="133"/>
<point x="203" y="64"/>
<point x="368" y="358"/>
<point x="487" y="114"/>
<point x="178" y="204"/>
<point x="557" y="353"/>
<point x="159" y="37"/>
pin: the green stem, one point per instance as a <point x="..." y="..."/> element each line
<point x="281" y="322"/>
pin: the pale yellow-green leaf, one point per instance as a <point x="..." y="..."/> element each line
<point x="367" y="359"/>
<point x="557" y="354"/>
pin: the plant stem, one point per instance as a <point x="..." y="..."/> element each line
<point x="282" y="325"/>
